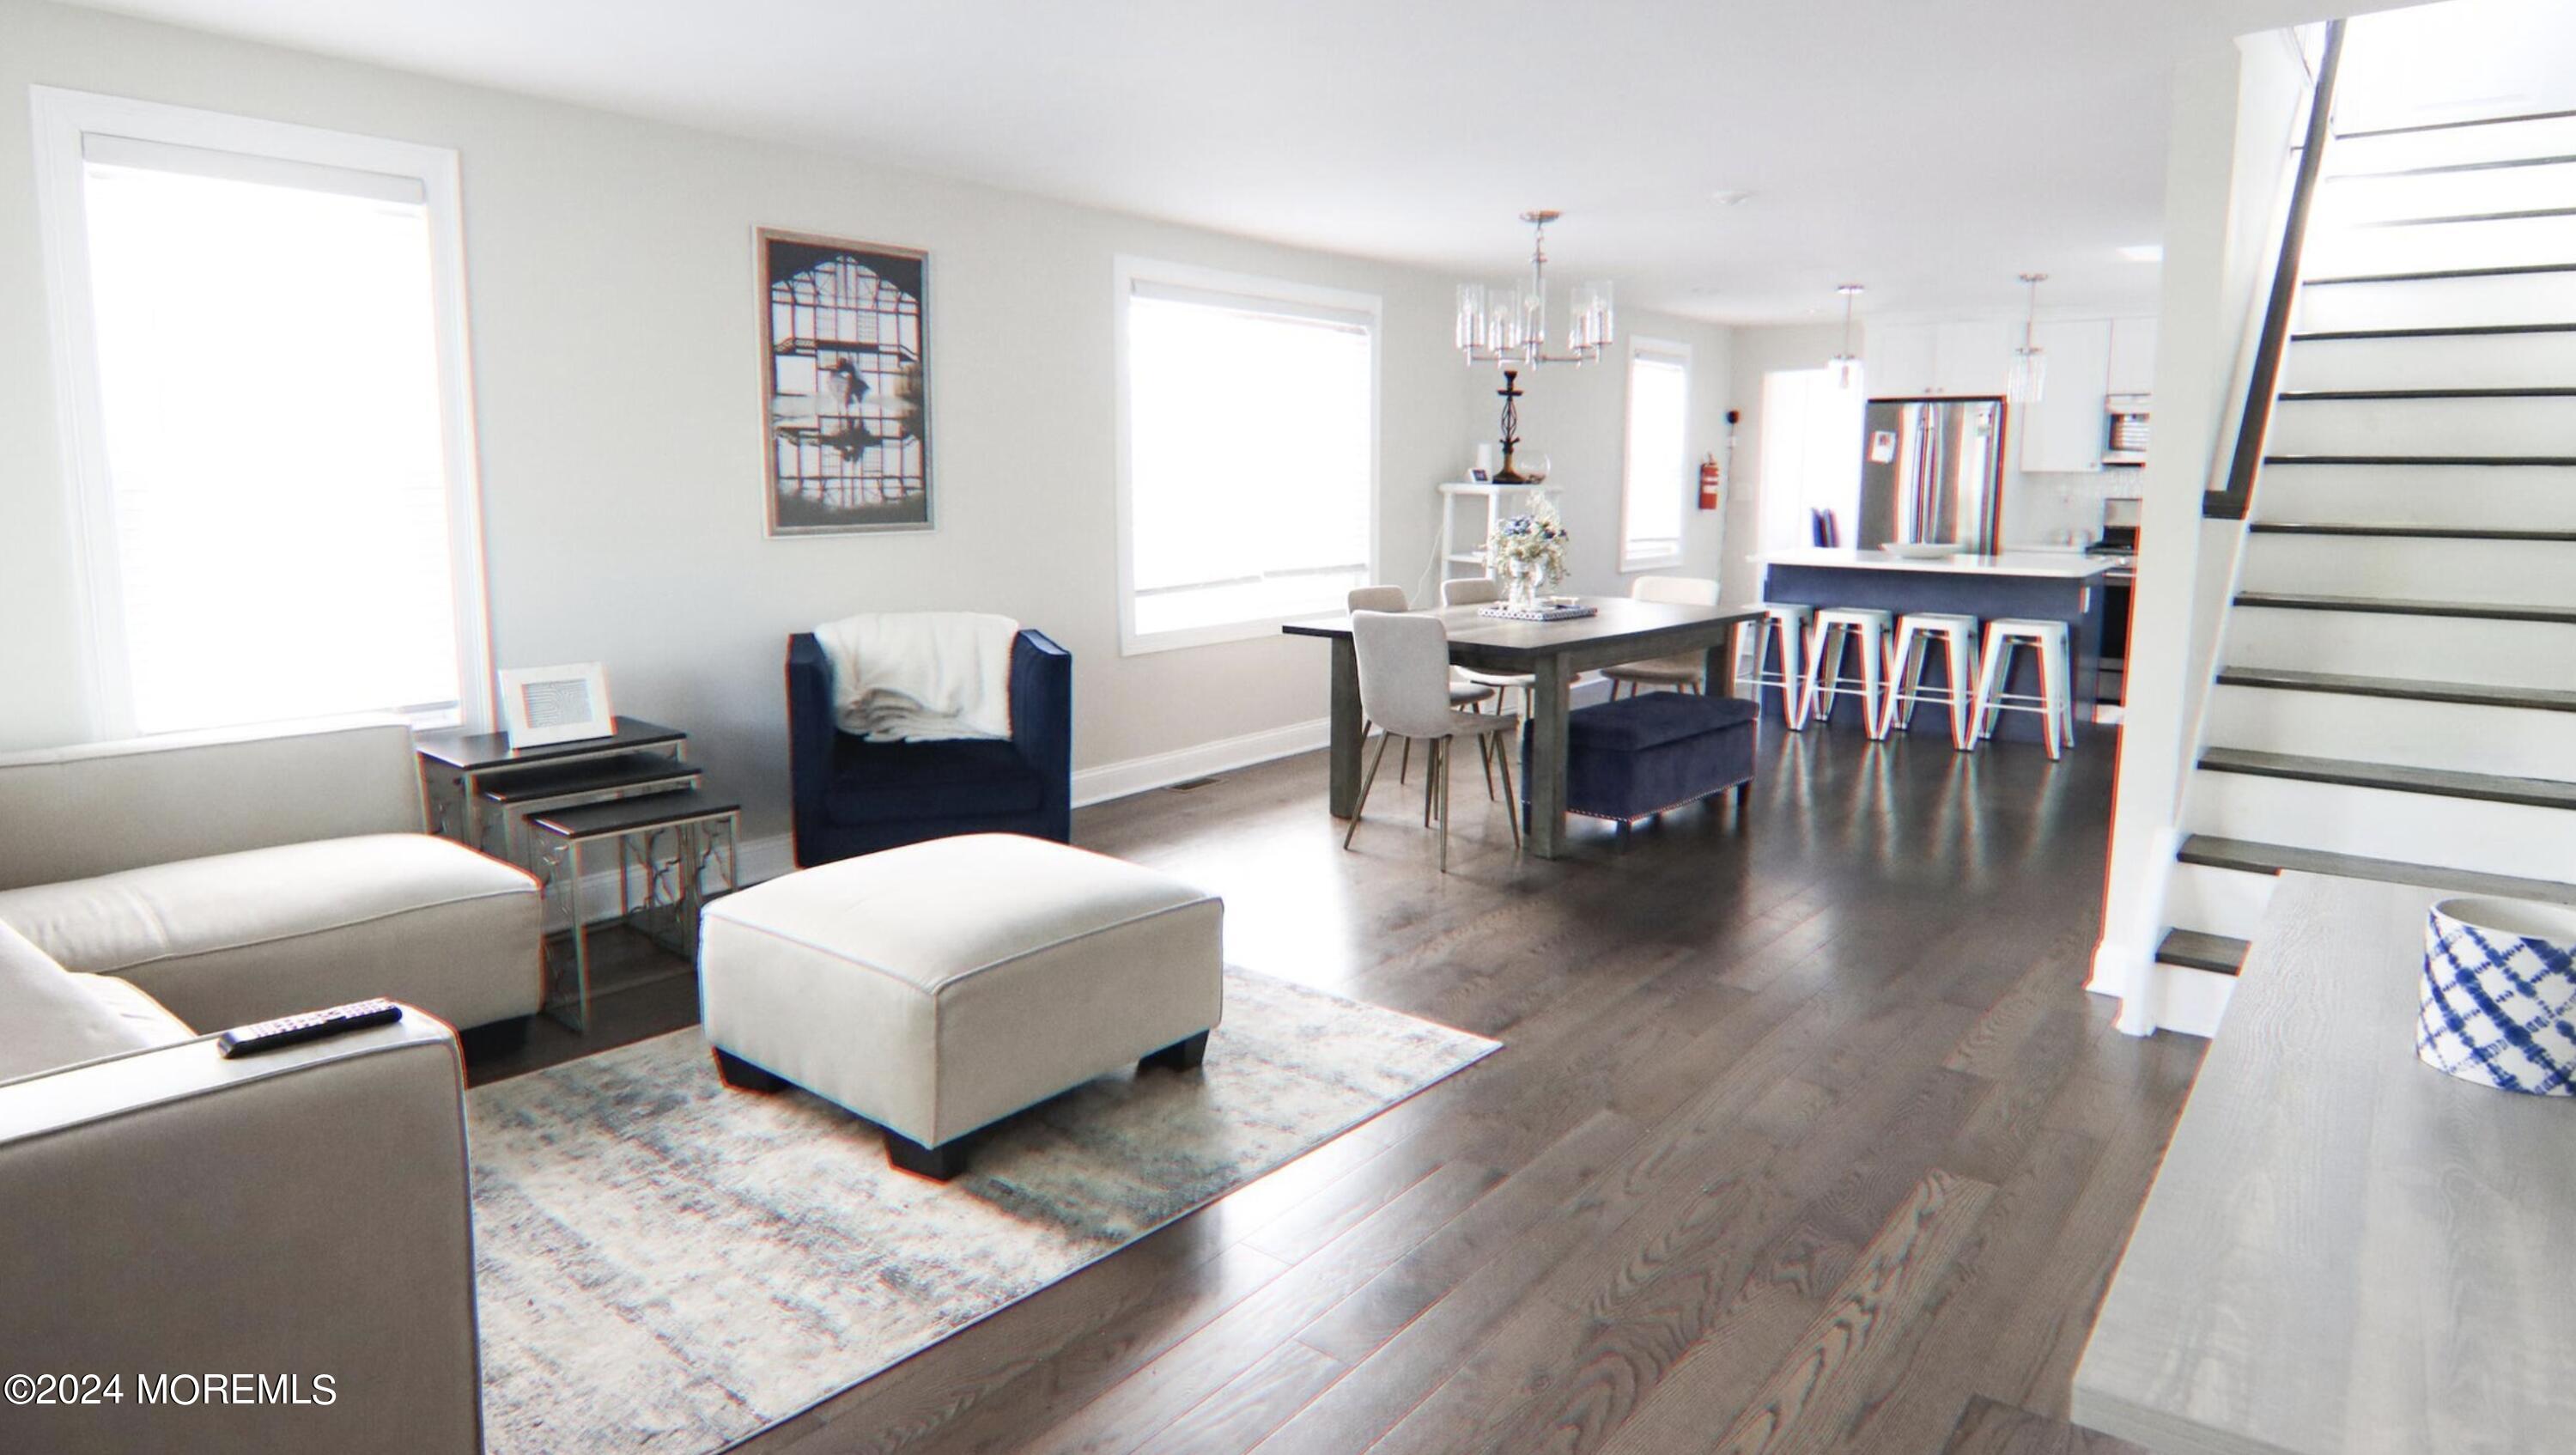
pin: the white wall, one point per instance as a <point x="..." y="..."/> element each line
<point x="2234" y="112"/>
<point x="615" y="340"/>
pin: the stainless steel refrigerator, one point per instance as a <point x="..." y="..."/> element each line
<point x="1932" y="471"/>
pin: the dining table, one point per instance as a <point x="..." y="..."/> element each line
<point x="1552" y="654"/>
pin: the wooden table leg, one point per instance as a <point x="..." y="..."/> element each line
<point x="1345" y="792"/>
<point x="1546" y="777"/>
<point x="1719" y="668"/>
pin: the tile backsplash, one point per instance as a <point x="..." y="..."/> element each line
<point x="2042" y="508"/>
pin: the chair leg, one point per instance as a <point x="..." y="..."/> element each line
<point x="1511" y="800"/>
<point x="1815" y="699"/>
<point x="1365" y="785"/>
<point x="1404" y="764"/>
<point x="1996" y="652"/>
<point x="1439" y="771"/>
<point x="2052" y="692"/>
<point x="1485" y="755"/>
<point x="1873" y="668"/>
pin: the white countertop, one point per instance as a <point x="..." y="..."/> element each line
<point x="2067" y="565"/>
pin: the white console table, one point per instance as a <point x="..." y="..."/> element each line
<point x="2346" y="1251"/>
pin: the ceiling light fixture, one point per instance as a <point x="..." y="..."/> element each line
<point x="1846" y="365"/>
<point x="1729" y="196"/>
<point x="2028" y="377"/>
<point x="2143" y="252"/>
<point x="1505" y="324"/>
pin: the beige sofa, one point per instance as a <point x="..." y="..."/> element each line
<point x="294" y="1226"/>
<point x="237" y="877"/>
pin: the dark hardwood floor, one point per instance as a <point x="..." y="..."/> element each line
<point x="1805" y="1137"/>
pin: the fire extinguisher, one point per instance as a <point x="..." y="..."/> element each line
<point x="1708" y="482"/>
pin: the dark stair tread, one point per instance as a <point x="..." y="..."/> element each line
<point x="2251" y="857"/>
<point x="2525" y="214"/>
<point x="2466" y="694"/>
<point x="2390" y="606"/>
<point x="2409" y="532"/>
<point x="2312" y="396"/>
<point x="2422" y="126"/>
<point x="2446" y="168"/>
<point x="2441" y="275"/>
<point x="2499" y="461"/>
<point x="2196" y="950"/>
<point x="2392" y="777"/>
<point x="2444" y="330"/>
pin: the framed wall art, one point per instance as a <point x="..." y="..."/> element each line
<point x="845" y="378"/>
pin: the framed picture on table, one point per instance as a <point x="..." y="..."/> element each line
<point x="542" y="705"/>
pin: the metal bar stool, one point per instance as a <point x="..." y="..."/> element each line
<point x="1785" y="624"/>
<point x="2048" y="637"/>
<point x="1838" y="629"/>
<point x="1917" y="632"/>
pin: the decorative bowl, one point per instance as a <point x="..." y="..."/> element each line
<point x="1923" y="550"/>
<point x="2499" y="990"/>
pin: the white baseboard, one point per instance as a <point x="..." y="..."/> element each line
<point x="1158" y="770"/>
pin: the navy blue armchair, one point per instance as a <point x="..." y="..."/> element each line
<point x="855" y="797"/>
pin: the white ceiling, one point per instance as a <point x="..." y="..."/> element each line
<point x="1928" y="148"/>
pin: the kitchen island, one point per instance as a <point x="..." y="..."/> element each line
<point x="2061" y="585"/>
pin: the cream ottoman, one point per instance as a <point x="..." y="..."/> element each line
<point x="939" y="987"/>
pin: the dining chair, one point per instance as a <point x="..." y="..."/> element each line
<point x="1462" y="693"/>
<point x="1683" y="671"/>
<point x="1476" y="591"/>
<point x="1404" y="682"/>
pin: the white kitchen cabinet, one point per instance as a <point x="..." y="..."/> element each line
<point x="2064" y="430"/>
<point x="1972" y="355"/>
<point x="2133" y="356"/>
<point x="1898" y="363"/>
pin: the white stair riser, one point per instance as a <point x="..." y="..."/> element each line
<point x="2424" y="648"/>
<point x="2343" y="201"/>
<point x="2416" y="828"/>
<point x="2440" y="245"/>
<point x="2517" y="498"/>
<point x="2439" y="303"/>
<point x="2527" y="573"/>
<point x="2424" y="427"/>
<point x="2460" y="361"/>
<point x="2217" y="901"/>
<point x="2527" y="742"/>
<point x="2555" y="137"/>
<point x="2191" y="1002"/>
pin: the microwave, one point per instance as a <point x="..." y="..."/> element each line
<point x="2124" y="429"/>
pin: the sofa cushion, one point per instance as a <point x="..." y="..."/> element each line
<point x="235" y="938"/>
<point x="1653" y="718"/>
<point x="968" y="778"/>
<point x="57" y="1019"/>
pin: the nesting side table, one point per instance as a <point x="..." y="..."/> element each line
<point x="667" y="843"/>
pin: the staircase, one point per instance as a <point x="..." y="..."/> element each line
<point x="2397" y="690"/>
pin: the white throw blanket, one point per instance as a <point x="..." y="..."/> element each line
<point x="921" y="676"/>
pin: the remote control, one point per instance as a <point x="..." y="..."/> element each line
<point x="311" y="1026"/>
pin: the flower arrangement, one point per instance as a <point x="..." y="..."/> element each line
<point x="1528" y="552"/>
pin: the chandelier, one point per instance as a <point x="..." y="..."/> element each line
<point x="1505" y="323"/>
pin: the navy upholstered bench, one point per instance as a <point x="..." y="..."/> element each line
<point x="1641" y="755"/>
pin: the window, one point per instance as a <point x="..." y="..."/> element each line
<point x="1247" y="453"/>
<point x="1658" y="458"/>
<point x="1811" y="448"/>
<point x="260" y="341"/>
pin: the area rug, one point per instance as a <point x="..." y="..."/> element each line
<point x="667" y="1264"/>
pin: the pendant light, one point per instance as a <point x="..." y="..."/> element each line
<point x="2028" y="378"/>
<point x="1846" y="365"/>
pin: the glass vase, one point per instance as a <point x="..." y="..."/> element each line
<point x="1521" y="584"/>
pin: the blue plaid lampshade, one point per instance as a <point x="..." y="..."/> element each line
<point x="2499" y="991"/>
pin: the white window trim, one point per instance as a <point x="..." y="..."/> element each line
<point x="1676" y="352"/>
<point x="61" y="118"/>
<point x="1126" y="271"/>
